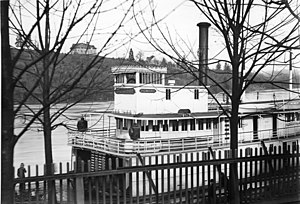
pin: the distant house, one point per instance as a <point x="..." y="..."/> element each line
<point x="83" y="48"/>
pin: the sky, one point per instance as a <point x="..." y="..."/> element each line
<point x="178" y="22"/>
<point x="179" y="16"/>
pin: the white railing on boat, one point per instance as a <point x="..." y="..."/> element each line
<point x="106" y="141"/>
<point x="126" y="147"/>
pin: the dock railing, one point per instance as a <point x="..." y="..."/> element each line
<point x="177" y="178"/>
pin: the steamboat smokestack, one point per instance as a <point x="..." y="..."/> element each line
<point x="203" y="52"/>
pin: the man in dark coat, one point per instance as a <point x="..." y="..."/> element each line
<point x="21" y="174"/>
<point x="82" y="125"/>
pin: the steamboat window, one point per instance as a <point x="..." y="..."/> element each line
<point x="150" y="125"/>
<point x="208" y="124"/>
<point x="147" y="127"/>
<point x="289" y="117"/>
<point x="119" y="123"/>
<point x="168" y="94"/>
<point x="184" y="125"/>
<point x="297" y="115"/>
<point x="125" y="127"/>
<point x="156" y="126"/>
<point x="174" y="124"/>
<point x="147" y="78"/>
<point x="130" y="123"/>
<point x="119" y="78"/>
<point x="160" y="124"/>
<point x="130" y="78"/>
<point x="139" y="123"/>
<point x="196" y="94"/>
<point x="143" y="125"/>
<point x="192" y="124"/>
<point x="160" y="78"/>
<point x="155" y="81"/>
<point x="151" y="78"/>
<point x="165" y="126"/>
<point x="144" y="78"/>
<point x="240" y="123"/>
<point x="200" y="124"/>
<point x="215" y="123"/>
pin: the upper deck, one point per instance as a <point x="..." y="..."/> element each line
<point x="153" y="117"/>
<point x="143" y="90"/>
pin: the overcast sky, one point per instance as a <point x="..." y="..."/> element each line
<point x="179" y="20"/>
<point x="180" y="17"/>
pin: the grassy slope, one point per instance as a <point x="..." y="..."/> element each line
<point x="104" y="90"/>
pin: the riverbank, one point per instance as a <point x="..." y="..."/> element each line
<point x="30" y="147"/>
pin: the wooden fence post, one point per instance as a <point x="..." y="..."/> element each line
<point x="79" y="190"/>
<point x="79" y="187"/>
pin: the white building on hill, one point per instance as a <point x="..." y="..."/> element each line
<point x="83" y="48"/>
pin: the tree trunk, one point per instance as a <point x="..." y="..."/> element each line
<point x="7" y="115"/>
<point x="46" y="106"/>
<point x="235" y="100"/>
<point x="48" y="155"/>
<point x="233" y="177"/>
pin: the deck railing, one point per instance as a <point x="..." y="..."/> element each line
<point x="199" y="179"/>
<point x="106" y="141"/>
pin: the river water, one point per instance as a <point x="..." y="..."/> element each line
<point x="30" y="147"/>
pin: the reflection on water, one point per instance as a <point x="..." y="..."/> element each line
<point x="30" y="147"/>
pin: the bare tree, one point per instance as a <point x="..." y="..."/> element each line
<point x="50" y="80"/>
<point x="139" y="56"/>
<point x="251" y="45"/>
<point x="7" y="113"/>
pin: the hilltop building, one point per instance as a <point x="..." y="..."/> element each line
<point x="83" y="48"/>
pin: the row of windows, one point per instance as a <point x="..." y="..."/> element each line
<point x="165" y="125"/>
<point x="130" y="78"/>
<point x="150" y="78"/>
<point x="145" y="78"/>
<point x="119" y="78"/>
<point x="289" y="117"/>
<point x="185" y="125"/>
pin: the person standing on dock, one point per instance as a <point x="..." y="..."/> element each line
<point x="82" y="125"/>
<point x="21" y="174"/>
<point x="212" y="192"/>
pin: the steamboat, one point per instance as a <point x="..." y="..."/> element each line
<point x="154" y="118"/>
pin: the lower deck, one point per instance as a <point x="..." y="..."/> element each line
<point x="271" y="178"/>
<point x="110" y="144"/>
<point x="181" y="169"/>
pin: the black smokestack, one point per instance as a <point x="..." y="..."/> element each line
<point x="203" y="52"/>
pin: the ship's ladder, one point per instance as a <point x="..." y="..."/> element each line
<point x="97" y="161"/>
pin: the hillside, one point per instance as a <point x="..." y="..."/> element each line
<point x="104" y="89"/>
